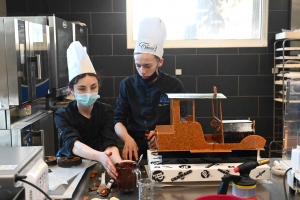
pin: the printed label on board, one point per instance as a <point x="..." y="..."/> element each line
<point x="205" y="174"/>
<point x="158" y="176"/>
<point x="226" y="172"/>
<point x="184" y="166"/>
<point x="211" y="164"/>
<point x="181" y="175"/>
<point x="260" y="173"/>
<point x="155" y="162"/>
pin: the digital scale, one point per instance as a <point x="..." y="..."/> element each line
<point x="24" y="161"/>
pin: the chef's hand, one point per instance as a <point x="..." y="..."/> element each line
<point x="130" y="149"/>
<point x="108" y="164"/>
<point x="152" y="137"/>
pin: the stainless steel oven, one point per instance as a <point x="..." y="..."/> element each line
<point x="24" y="67"/>
<point x="61" y="37"/>
<point x="36" y="130"/>
<point x="33" y="130"/>
<point x="62" y="34"/>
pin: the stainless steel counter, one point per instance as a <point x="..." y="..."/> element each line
<point x="272" y="191"/>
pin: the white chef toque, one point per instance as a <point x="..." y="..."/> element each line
<point x="78" y="60"/>
<point x="151" y="36"/>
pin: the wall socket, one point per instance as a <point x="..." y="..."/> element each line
<point x="178" y="72"/>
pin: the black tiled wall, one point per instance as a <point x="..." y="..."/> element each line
<point x="242" y="74"/>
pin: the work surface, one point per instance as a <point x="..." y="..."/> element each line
<point x="272" y="191"/>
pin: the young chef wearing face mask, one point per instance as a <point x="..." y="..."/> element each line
<point x="142" y="102"/>
<point x="85" y="126"/>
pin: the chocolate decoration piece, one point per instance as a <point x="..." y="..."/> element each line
<point x="50" y="160"/>
<point x="69" y="161"/>
<point x="106" y="191"/>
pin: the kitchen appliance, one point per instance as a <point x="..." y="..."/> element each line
<point x="62" y="34"/>
<point x="24" y="161"/>
<point x="80" y="33"/>
<point x="242" y="185"/>
<point x="24" y="68"/>
<point x="15" y="193"/>
<point x="24" y="77"/>
<point x="34" y="130"/>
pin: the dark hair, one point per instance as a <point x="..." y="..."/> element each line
<point x="80" y="76"/>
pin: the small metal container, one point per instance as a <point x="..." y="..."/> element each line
<point x="237" y="126"/>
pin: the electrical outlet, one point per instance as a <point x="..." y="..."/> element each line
<point x="178" y="72"/>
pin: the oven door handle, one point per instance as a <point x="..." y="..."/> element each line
<point x="38" y="65"/>
<point x="37" y="138"/>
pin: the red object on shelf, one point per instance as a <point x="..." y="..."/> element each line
<point x="236" y="169"/>
<point x="219" y="197"/>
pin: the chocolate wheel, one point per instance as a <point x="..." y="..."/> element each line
<point x="50" y="160"/>
<point x="69" y="161"/>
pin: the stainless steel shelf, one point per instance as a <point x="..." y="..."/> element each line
<point x="287" y="65"/>
<point x="288" y="49"/>
<point x="279" y="88"/>
<point x="288" y="57"/>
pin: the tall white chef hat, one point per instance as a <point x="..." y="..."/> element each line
<point x="151" y="36"/>
<point x="78" y="60"/>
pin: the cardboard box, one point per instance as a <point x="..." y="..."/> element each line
<point x="197" y="172"/>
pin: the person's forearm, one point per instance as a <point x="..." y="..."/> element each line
<point x="85" y="151"/>
<point x="121" y="131"/>
<point x="115" y="157"/>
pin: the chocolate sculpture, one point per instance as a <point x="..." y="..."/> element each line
<point x="188" y="135"/>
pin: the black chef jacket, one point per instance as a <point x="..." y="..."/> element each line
<point x="96" y="132"/>
<point x="141" y="105"/>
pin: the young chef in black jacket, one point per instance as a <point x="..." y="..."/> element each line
<point x="142" y="102"/>
<point x="85" y="126"/>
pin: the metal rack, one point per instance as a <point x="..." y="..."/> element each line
<point x="280" y="71"/>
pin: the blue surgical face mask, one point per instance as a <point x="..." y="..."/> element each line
<point x="87" y="99"/>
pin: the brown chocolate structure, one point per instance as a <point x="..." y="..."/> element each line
<point x="188" y="135"/>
